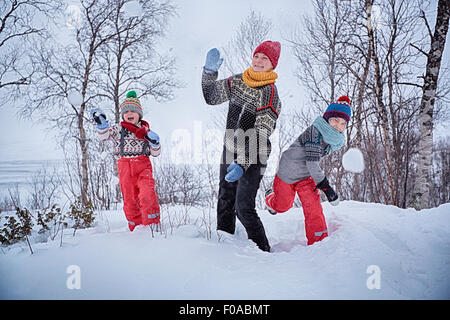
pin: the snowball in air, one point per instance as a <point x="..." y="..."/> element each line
<point x="353" y="160"/>
<point x="75" y="98"/>
<point x="132" y="9"/>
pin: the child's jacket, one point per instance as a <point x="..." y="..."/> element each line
<point x="126" y="144"/>
<point x="251" y="118"/>
<point x="302" y="158"/>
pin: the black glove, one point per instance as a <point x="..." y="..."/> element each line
<point x="332" y="197"/>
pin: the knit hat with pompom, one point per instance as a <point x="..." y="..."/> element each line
<point x="131" y="103"/>
<point x="339" y="109"/>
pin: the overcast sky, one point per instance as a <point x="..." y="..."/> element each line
<point x="200" y="26"/>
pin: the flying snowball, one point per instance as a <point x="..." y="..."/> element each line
<point x="75" y="98"/>
<point x="132" y="9"/>
<point x="353" y="160"/>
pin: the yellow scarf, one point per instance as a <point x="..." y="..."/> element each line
<point x="258" y="79"/>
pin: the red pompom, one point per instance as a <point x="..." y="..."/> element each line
<point x="344" y="98"/>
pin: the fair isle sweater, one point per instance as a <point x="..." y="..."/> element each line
<point x="251" y="118"/>
<point x="301" y="159"/>
<point x="126" y="144"/>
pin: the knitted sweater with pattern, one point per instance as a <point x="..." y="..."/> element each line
<point x="126" y="144"/>
<point x="251" y="118"/>
<point x="302" y="158"/>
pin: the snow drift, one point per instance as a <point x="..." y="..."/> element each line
<point x="373" y="251"/>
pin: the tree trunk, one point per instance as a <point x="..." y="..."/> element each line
<point x="382" y="111"/>
<point x="82" y="138"/>
<point x="357" y="194"/>
<point x="421" y="194"/>
<point x="84" y="158"/>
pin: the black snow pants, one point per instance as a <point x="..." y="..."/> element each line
<point x="238" y="199"/>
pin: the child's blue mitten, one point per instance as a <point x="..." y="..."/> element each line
<point x="153" y="139"/>
<point x="99" y="117"/>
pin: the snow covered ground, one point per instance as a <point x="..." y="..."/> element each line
<point x="373" y="252"/>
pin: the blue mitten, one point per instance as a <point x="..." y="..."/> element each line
<point x="234" y="172"/>
<point x="153" y="139"/>
<point x="213" y="60"/>
<point x="99" y="117"/>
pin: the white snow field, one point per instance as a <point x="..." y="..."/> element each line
<point x="373" y="251"/>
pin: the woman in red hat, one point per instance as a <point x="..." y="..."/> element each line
<point x="253" y="110"/>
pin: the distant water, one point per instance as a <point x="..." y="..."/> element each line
<point x="20" y="173"/>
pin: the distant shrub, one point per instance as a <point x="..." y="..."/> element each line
<point x="51" y="221"/>
<point x="17" y="228"/>
<point x="81" y="215"/>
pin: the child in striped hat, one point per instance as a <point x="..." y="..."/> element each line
<point x="299" y="170"/>
<point x="134" y="143"/>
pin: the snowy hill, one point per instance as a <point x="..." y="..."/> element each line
<point x="397" y="253"/>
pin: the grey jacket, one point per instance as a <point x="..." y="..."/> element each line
<point x="301" y="159"/>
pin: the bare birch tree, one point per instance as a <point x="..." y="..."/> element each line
<point x="319" y="48"/>
<point x="72" y="68"/>
<point x="131" y="61"/>
<point x="421" y="194"/>
<point x="20" y="23"/>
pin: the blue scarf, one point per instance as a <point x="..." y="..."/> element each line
<point x="330" y="135"/>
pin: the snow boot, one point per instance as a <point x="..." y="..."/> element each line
<point x="132" y="225"/>
<point x="268" y="194"/>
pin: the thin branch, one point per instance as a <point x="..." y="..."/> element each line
<point x="418" y="49"/>
<point x="409" y="84"/>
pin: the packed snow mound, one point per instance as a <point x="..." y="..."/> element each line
<point x="373" y="251"/>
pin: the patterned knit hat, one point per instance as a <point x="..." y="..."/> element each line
<point x="131" y="103"/>
<point x="271" y="49"/>
<point x="339" y="109"/>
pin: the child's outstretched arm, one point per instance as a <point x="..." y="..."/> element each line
<point x="155" y="146"/>
<point x="105" y="131"/>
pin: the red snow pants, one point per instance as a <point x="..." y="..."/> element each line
<point x="140" y="202"/>
<point x="282" y="199"/>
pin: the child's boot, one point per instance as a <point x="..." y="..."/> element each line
<point x="269" y="194"/>
<point x="132" y="225"/>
